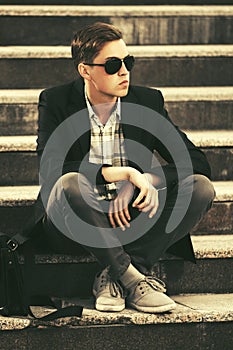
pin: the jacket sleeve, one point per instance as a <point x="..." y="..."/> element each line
<point x="199" y="163"/>
<point x="51" y="116"/>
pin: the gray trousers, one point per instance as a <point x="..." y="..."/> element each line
<point x="119" y="249"/>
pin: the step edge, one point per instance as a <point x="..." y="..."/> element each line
<point x="112" y="11"/>
<point x="189" y="310"/>
<point x="26" y="195"/>
<point x="140" y="51"/>
<point x="201" y="138"/>
<point x="171" y="94"/>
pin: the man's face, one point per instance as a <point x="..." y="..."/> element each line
<point x="107" y="85"/>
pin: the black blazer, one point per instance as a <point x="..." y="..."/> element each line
<point x="58" y="103"/>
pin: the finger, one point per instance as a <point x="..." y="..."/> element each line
<point x="153" y="211"/>
<point x="123" y="218"/>
<point x="110" y="215"/>
<point x="149" y="200"/>
<point x="152" y="203"/>
<point x="121" y="213"/>
<point x="119" y="221"/>
<point x="139" y="198"/>
<point x="148" y="207"/>
<point x="145" y="203"/>
<point x="156" y="205"/>
<point x="124" y="208"/>
<point x="126" y="211"/>
<point x="119" y="217"/>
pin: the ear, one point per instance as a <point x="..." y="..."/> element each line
<point x="84" y="71"/>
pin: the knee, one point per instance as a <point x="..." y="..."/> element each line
<point x="70" y="182"/>
<point x="76" y="187"/>
<point x="66" y="188"/>
<point x="203" y="190"/>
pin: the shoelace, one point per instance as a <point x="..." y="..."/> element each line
<point x="114" y="286"/>
<point x="154" y="282"/>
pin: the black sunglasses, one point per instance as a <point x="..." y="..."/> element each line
<point x="113" y="65"/>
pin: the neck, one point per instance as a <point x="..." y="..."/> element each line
<point x="101" y="104"/>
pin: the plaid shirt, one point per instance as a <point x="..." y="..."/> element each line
<point x="107" y="146"/>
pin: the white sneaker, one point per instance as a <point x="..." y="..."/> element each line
<point x="148" y="296"/>
<point x="109" y="295"/>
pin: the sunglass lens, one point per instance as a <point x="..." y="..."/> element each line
<point x="112" y="66"/>
<point x="129" y="62"/>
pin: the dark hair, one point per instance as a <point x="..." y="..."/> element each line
<point x="88" y="42"/>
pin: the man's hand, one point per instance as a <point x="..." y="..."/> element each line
<point x="118" y="209"/>
<point x="146" y="201"/>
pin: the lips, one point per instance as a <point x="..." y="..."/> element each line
<point x="124" y="82"/>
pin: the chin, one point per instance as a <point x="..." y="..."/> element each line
<point x="123" y="92"/>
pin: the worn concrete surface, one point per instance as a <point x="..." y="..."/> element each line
<point x="147" y="51"/>
<point x="116" y="2"/>
<point x="119" y="11"/>
<point x="164" y="70"/>
<point x="8" y="194"/>
<point x="205" y="246"/>
<point x="190" y="308"/>
<point x="18" y="156"/>
<point x="218" y="219"/>
<point x="17" y="143"/>
<point x="211" y="138"/>
<point x="210" y="70"/>
<point x="141" y="25"/>
<point x="171" y="94"/>
<point x="213" y="246"/>
<point x="192" y="108"/>
<point x="201" y="138"/>
<point x="18" y="195"/>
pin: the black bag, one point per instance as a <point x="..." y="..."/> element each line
<point x="14" y="299"/>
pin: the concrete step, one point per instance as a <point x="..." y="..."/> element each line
<point x="18" y="111"/>
<point x="18" y="156"/>
<point x="24" y="67"/>
<point x="19" y="160"/>
<point x="16" y="206"/>
<point x="200" y="107"/>
<point x="141" y="25"/>
<point x="206" y="318"/>
<point x="217" y="145"/>
<point x="214" y="257"/>
<point x="189" y="107"/>
<point x="116" y="2"/>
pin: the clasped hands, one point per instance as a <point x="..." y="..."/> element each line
<point x="146" y="201"/>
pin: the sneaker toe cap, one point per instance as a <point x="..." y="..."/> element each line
<point x="155" y="299"/>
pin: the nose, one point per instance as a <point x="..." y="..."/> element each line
<point x="123" y="70"/>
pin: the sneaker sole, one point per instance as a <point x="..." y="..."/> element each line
<point x="108" y="307"/>
<point x="113" y="308"/>
<point x="154" y="309"/>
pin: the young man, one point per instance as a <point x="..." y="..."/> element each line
<point x="124" y="204"/>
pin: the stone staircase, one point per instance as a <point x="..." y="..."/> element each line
<point x="184" y="50"/>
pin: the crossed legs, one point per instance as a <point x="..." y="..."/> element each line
<point x="95" y="235"/>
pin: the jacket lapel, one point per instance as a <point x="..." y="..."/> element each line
<point x="77" y="105"/>
<point x="132" y="124"/>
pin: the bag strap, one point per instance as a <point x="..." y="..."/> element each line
<point x="74" y="310"/>
<point x="18" y="239"/>
<point x="28" y="232"/>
